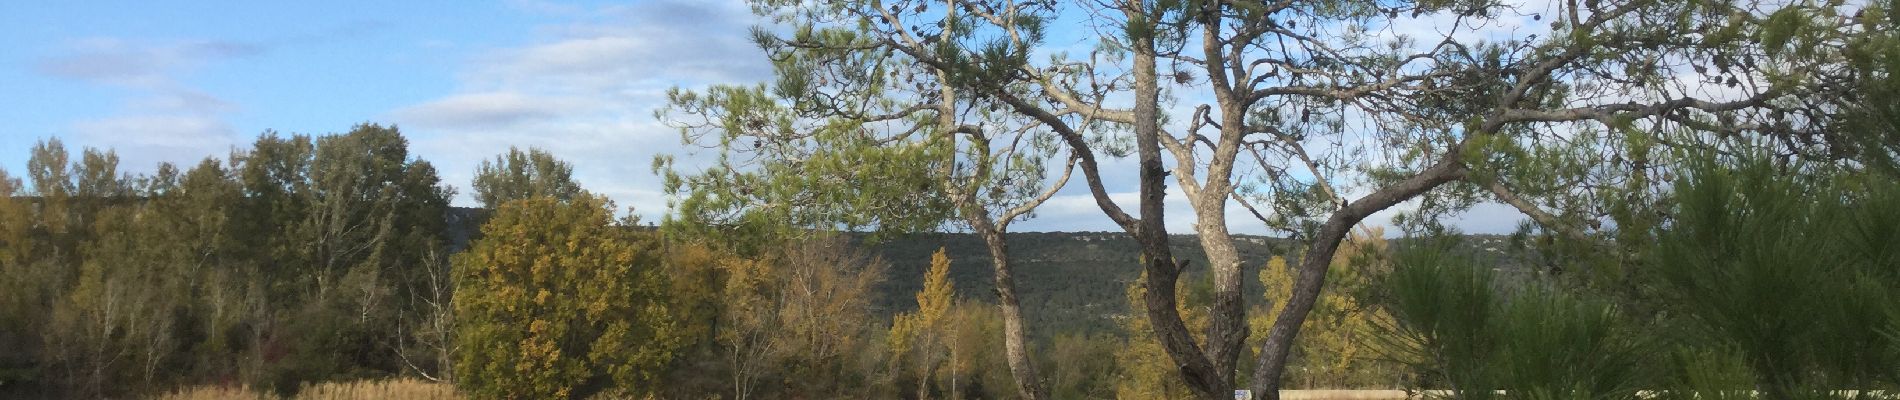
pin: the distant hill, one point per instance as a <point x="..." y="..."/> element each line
<point x="1071" y="282"/>
<point x="1077" y="281"/>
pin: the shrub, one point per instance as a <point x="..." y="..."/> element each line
<point x="558" y="301"/>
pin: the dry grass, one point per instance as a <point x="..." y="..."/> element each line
<point x="400" y="389"/>
<point x="1323" y="394"/>
<point x="213" y="393"/>
<point x="396" y="389"/>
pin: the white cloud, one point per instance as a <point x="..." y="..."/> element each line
<point x="144" y="140"/>
<point x="659" y="43"/>
<point x="586" y="91"/>
<point x="160" y="119"/>
<point x="491" y="109"/>
<point x="138" y="64"/>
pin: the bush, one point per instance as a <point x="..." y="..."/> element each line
<point x="558" y="301"/>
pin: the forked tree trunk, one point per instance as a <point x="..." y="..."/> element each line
<point x="1151" y="231"/>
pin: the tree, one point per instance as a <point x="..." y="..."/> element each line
<point x="796" y="317"/>
<point x="916" y="337"/>
<point x="1342" y="350"/>
<point x="750" y="323"/>
<point x="47" y="169"/>
<point x="274" y="178"/>
<point x="344" y="216"/>
<point x="113" y="329"/>
<point x="1405" y="115"/>
<point x="973" y="368"/>
<point x="1535" y="341"/>
<point x="516" y="175"/>
<point x="196" y="219"/>
<point x="292" y="263"/>
<point x="1872" y="122"/>
<point x="20" y="309"/>
<point x="900" y="149"/>
<point x="558" y="301"/>
<point x="827" y="286"/>
<point x="1787" y="266"/>
<point x="1083" y="366"/>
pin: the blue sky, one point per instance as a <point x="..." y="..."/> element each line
<point x="179" y="81"/>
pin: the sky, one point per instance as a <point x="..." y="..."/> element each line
<point x="178" y="81"/>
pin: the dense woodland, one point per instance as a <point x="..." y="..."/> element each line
<point x="1710" y="191"/>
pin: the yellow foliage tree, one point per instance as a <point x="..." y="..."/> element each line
<point x="915" y="336"/>
<point x="797" y="314"/>
<point x="558" y="301"/>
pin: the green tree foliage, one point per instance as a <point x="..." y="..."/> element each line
<point x="518" y="175"/>
<point x="1082" y="366"/>
<point x="114" y="328"/>
<point x="558" y="301"/>
<point x="778" y="171"/>
<point x="1788" y="268"/>
<point x="1476" y="338"/>
<point x="857" y="132"/>
<point x="1324" y="102"/>
<point x="343" y="218"/>
<point x="290" y="263"/>
<point x="1872" y="106"/>
<point x="1772" y="274"/>
<point x="21" y="311"/>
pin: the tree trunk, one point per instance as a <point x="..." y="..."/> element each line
<point x="1319" y="254"/>
<point x="1015" y="339"/>
<point x="1227" y="322"/>
<point x="1227" y="315"/>
<point x="1151" y="232"/>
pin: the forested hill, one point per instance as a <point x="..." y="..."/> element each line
<point x="1070" y="281"/>
<point x="1074" y="282"/>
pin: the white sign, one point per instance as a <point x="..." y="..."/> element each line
<point x="1243" y="394"/>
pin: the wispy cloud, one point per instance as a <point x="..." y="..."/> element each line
<point x="586" y="91"/>
<point x="144" y="140"/>
<point x="124" y="62"/>
<point x="490" y="109"/>
<point x="160" y="119"/>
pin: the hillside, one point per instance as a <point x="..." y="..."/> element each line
<point x="1070" y="281"/>
<point x="1077" y="281"/>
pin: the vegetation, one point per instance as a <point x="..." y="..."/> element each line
<point x="1709" y="187"/>
<point x="559" y="302"/>
<point x="394" y="389"/>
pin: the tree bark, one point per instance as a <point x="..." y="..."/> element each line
<point x="1227" y="322"/>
